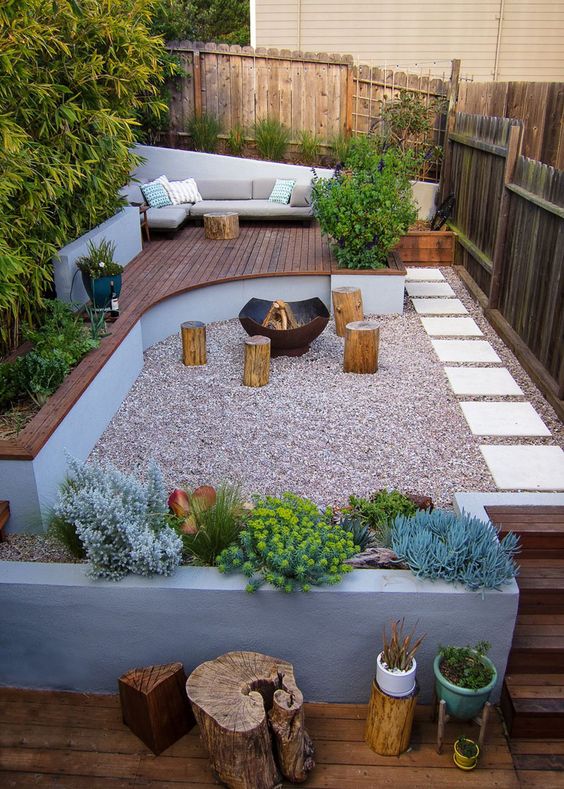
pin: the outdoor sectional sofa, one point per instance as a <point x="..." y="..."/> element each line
<point x="247" y="197"/>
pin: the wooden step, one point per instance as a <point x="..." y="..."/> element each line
<point x="536" y="652"/>
<point x="533" y="705"/>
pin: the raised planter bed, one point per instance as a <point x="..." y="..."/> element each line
<point x="79" y="634"/>
<point x="382" y="289"/>
<point x="427" y="248"/>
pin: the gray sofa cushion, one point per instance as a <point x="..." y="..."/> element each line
<point x="251" y="209"/>
<point x="262" y="187"/>
<point x="301" y="196"/>
<point x="225" y="188"/>
<point x="167" y="218"/>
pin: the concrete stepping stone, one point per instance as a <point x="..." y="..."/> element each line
<point x="524" y="467"/>
<point x="503" y="419"/>
<point x="451" y="327"/>
<point x="428" y="289"/>
<point x="465" y="351"/>
<point x="423" y="274"/>
<point x="439" y="307"/>
<point x="482" y="381"/>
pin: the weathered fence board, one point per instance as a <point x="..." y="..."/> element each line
<point x="539" y="104"/>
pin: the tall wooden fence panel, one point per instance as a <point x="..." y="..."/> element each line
<point x="539" y="104"/>
<point x="323" y="93"/>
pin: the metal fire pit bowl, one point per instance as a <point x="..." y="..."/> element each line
<point x="293" y="342"/>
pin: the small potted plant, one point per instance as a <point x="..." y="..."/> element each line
<point x="396" y="664"/>
<point x="99" y="270"/>
<point x="464" y="678"/>
<point x="466" y="753"/>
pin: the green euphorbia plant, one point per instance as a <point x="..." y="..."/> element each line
<point x="367" y="205"/>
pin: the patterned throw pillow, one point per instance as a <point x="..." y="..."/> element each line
<point x="183" y="191"/>
<point x="282" y="191"/>
<point x="155" y="193"/>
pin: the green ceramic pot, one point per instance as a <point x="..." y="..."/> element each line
<point x="463" y="703"/>
<point x="99" y="289"/>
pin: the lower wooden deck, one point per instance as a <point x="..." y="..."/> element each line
<point x="78" y="741"/>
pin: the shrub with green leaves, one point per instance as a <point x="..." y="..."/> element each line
<point x="309" y="146"/>
<point x="366" y="207"/>
<point x="61" y="330"/>
<point x="380" y="510"/>
<point x="272" y="139"/>
<point x="464" y="667"/>
<point x="289" y="543"/>
<point x="204" y="130"/>
<point x="441" y="545"/>
<point x="73" y="75"/>
<point x="41" y="374"/>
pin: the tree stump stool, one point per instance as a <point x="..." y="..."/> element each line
<point x="256" y="371"/>
<point x="193" y="343"/>
<point x="250" y="713"/>
<point x="361" y="347"/>
<point x="221" y="225"/>
<point x="347" y="307"/>
<point x="154" y="704"/>
<point x="389" y="721"/>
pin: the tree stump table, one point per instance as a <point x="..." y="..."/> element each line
<point x="250" y="713"/>
<point x="154" y="704"/>
<point x="347" y="307"/>
<point x="193" y="343"/>
<point x="221" y="225"/>
<point x="389" y="721"/>
<point x="361" y="347"/>
<point x="256" y="370"/>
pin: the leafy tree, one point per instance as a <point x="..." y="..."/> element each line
<point x="225" y="21"/>
<point x="72" y="75"/>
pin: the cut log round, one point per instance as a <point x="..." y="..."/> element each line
<point x="238" y="699"/>
<point x="389" y="722"/>
<point x="347" y="307"/>
<point x="257" y="361"/>
<point x="193" y="343"/>
<point x="222" y="225"/>
<point x="361" y="347"/>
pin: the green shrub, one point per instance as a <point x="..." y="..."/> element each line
<point x="61" y="330"/>
<point x="99" y="260"/>
<point x="289" y="543"/>
<point x="271" y="139"/>
<point x="380" y="510"/>
<point x="340" y="145"/>
<point x="73" y="75"/>
<point x="39" y="375"/>
<point x="204" y="130"/>
<point x="463" y="665"/>
<point x="236" y="140"/>
<point x="309" y="146"/>
<point x="217" y="526"/>
<point x="367" y="207"/>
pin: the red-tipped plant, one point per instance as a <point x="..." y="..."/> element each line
<point x="399" y="650"/>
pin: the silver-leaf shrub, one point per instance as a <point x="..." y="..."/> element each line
<point x="121" y="522"/>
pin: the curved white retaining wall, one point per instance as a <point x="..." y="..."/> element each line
<point x="61" y="630"/>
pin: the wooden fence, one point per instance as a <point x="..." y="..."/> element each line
<point x="509" y="217"/>
<point x="326" y="94"/>
<point x="539" y="104"/>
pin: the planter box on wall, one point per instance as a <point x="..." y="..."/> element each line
<point x="427" y="248"/>
<point x="382" y="289"/>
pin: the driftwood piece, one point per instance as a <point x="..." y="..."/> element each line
<point x="280" y="316"/>
<point x="389" y="722"/>
<point x="374" y="557"/>
<point x="256" y="369"/>
<point x="221" y="225"/>
<point x="347" y="307"/>
<point x="238" y="700"/>
<point x="361" y="347"/>
<point x="193" y="343"/>
<point x="154" y="704"/>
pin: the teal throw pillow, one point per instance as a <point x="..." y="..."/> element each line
<point x="282" y="191"/>
<point x="156" y="195"/>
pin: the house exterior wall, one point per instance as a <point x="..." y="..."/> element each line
<point x="495" y="39"/>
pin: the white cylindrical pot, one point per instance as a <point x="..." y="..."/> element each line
<point x="395" y="683"/>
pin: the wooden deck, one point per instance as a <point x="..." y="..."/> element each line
<point x="167" y="267"/>
<point x="78" y="741"/>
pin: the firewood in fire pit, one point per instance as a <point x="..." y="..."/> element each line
<point x="280" y="317"/>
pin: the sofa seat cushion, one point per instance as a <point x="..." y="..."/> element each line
<point x="168" y="217"/>
<point x="225" y="188"/>
<point x="251" y="209"/>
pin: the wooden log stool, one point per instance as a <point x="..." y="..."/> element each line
<point x="361" y="347"/>
<point x="251" y="718"/>
<point x="440" y="714"/>
<point x="256" y="371"/>
<point x="221" y="225"/>
<point x="154" y="704"/>
<point x="193" y="343"/>
<point x="347" y="307"/>
<point x="389" y="721"/>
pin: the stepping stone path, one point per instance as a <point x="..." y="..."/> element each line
<point x="513" y="467"/>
